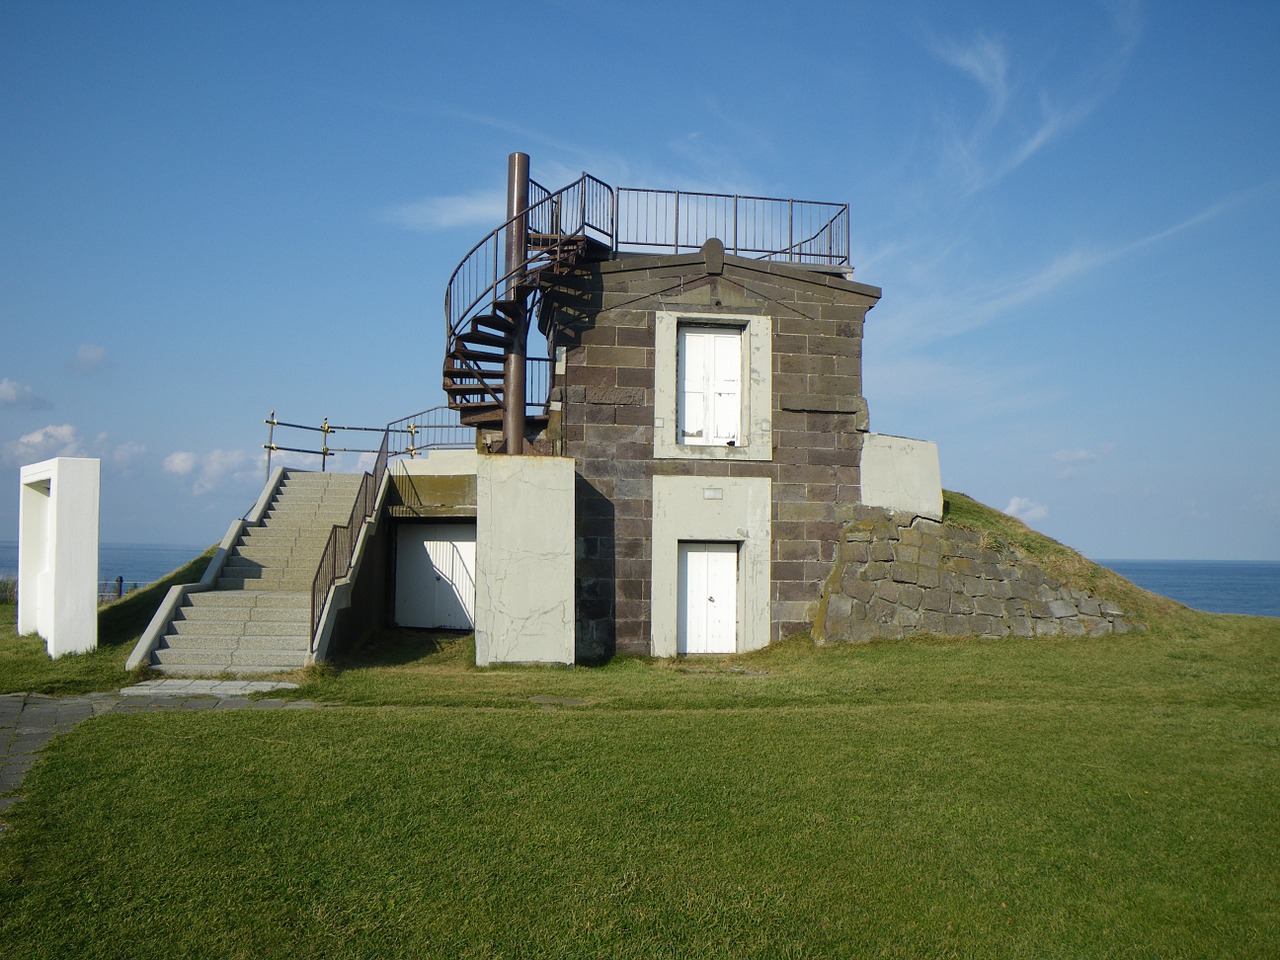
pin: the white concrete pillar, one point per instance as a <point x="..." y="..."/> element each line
<point x="58" y="553"/>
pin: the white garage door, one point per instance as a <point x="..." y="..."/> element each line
<point x="708" y="598"/>
<point x="435" y="575"/>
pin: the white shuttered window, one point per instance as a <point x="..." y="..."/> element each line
<point x="709" y="365"/>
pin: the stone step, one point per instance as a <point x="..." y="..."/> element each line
<point x="199" y="662"/>
<point x="282" y="599"/>
<point x="267" y="584"/>
<point x="240" y="628"/>
<point x="284" y="535"/>
<point x="178" y="642"/>
<point x="277" y="659"/>
<point x="247" y="566"/>
<point x="246" y="614"/>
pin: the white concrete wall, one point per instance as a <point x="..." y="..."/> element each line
<point x="58" y="553"/>
<point x="524" y="560"/>
<point x="901" y="474"/>
<point x="726" y="509"/>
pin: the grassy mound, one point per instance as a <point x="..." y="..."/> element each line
<point x="999" y="531"/>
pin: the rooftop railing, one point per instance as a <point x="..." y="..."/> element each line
<point x="792" y="231"/>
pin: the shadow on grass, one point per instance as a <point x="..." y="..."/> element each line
<point x="402" y="646"/>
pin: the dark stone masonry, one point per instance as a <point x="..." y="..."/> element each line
<point x="900" y="575"/>
<point x="605" y="323"/>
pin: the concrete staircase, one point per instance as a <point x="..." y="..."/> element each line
<point x="258" y="619"/>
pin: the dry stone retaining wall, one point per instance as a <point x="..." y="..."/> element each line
<point x="899" y="575"/>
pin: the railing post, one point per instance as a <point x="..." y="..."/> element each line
<point x="735" y="224"/>
<point x="676" y="237"/>
<point x="271" y="433"/>
<point x="513" y="373"/>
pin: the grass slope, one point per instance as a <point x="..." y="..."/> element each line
<point x="1109" y="797"/>
<point x="25" y="666"/>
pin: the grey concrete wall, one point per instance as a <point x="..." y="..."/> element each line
<point x="901" y="475"/>
<point x="524" y="560"/>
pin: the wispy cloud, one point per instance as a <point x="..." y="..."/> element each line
<point x="1026" y="510"/>
<point x="929" y="316"/>
<point x="180" y="462"/>
<point x="1072" y="459"/>
<point x="20" y="396"/>
<point x="212" y="469"/>
<point x="1022" y="110"/>
<point x="482" y="208"/>
<point x="89" y="358"/>
<point x="124" y="454"/>
<point x="55" y="440"/>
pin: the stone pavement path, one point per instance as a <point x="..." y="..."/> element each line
<point x="28" y="721"/>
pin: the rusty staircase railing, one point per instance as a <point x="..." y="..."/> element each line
<point x="335" y="562"/>
<point x="494" y="291"/>
<point x="484" y="293"/>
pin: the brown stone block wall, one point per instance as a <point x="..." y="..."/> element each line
<point x="607" y="393"/>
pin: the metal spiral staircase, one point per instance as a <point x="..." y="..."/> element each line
<point x="497" y="290"/>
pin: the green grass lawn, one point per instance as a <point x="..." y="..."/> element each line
<point x="1067" y="798"/>
<point x="25" y="666"/>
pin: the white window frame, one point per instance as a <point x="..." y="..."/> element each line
<point x="755" y="440"/>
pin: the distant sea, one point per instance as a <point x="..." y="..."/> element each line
<point x="1215" y="587"/>
<point x="138" y="563"/>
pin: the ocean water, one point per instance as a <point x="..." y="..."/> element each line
<point x="138" y="563"/>
<point x="1215" y="587"/>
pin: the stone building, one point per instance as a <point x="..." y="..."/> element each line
<point x="672" y="457"/>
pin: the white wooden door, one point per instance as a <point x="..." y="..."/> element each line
<point x="435" y="575"/>
<point x="708" y="598"/>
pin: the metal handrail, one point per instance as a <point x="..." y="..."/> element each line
<point x="764" y="227"/>
<point x="339" y="549"/>
<point x="435" y="427"/>
<point x="583" y="209"/>
<point x="479" y="276"/>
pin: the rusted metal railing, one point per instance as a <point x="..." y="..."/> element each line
<point x="794" y="231"/>
<point x="554" y="222"/>
<point x="436" y="427"/>
<point x="335" y="562"/>
<point x="324" y="451"/>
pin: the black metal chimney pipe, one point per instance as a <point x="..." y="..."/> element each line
<point x="517" y="241"/>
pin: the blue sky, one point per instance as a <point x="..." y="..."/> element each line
<point x="211" y="211"/>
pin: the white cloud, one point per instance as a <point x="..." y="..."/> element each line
<point x="125" y="453"/>
<point x="19" y="395"/>
<point x="482" y="208"/>
<point x="1078" y="455"/>
<point x="55" y="440"/>
<point x="1026" y="510"/>
<point x="215" y="466"/>
<point x="932" y="314"/>
<point x="1024" y="111"/>
<point x="89" y="358"/>
<point x="211" y="469"/>
<point x="180" y="462"/>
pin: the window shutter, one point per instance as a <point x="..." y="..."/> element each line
<point x="710" y="386"/>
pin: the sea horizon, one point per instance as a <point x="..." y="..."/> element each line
<point x="1250" y="587"/>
